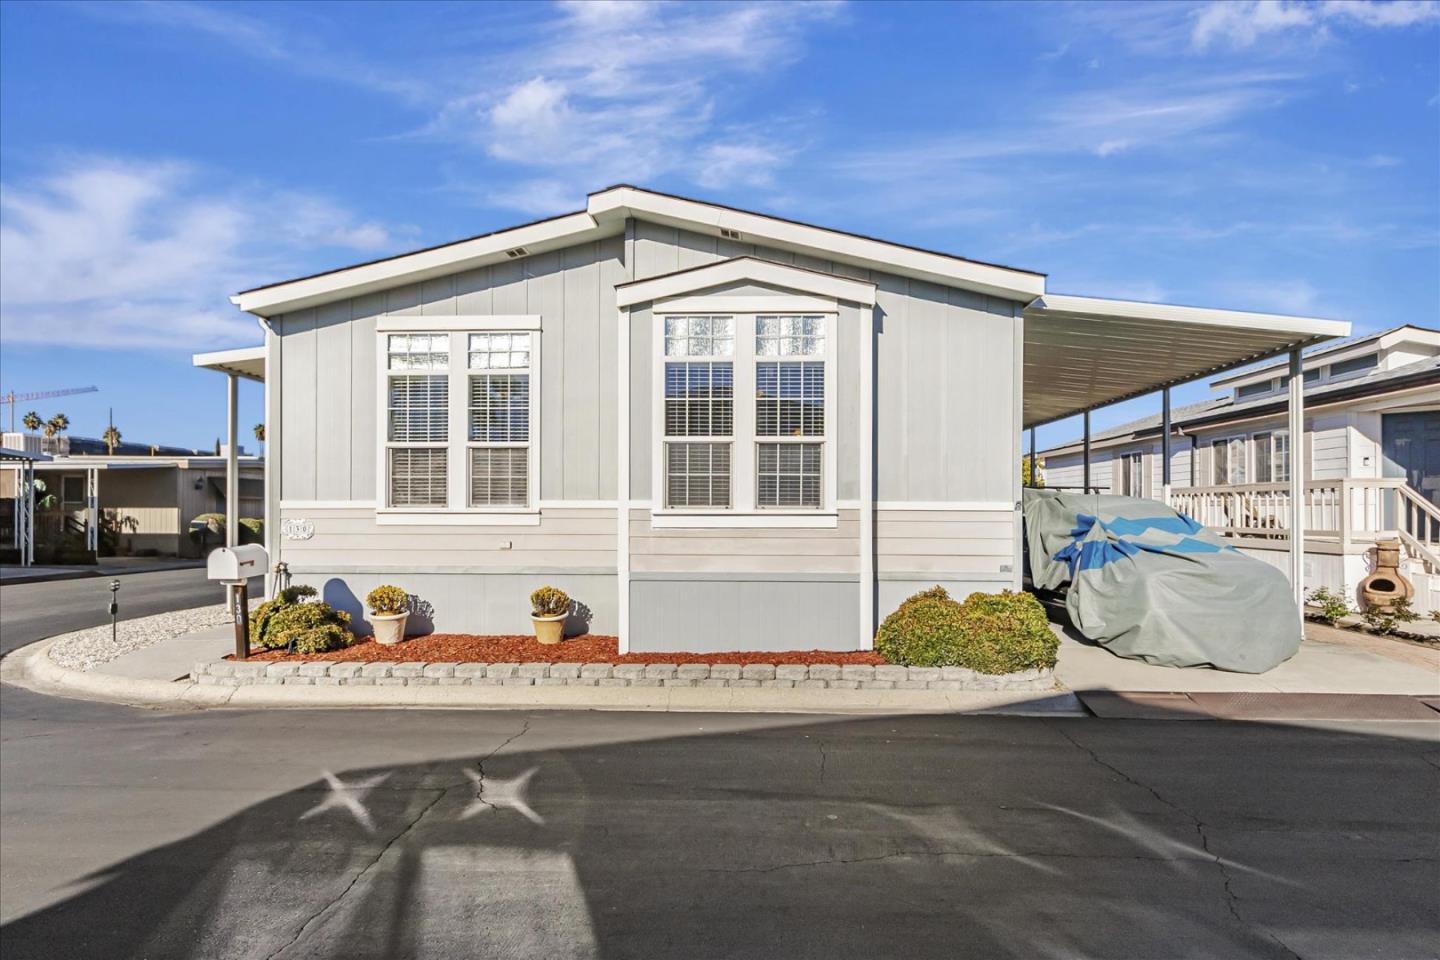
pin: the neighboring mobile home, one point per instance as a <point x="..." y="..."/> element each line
<point x="146" y="500"/>
<point x="714" y="429"/>
<point x="1372" y="455"/>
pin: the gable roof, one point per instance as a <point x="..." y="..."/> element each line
<point x="753" y="269"/>
<point x="605" y="215"/>
<point x="1328" y="352"/>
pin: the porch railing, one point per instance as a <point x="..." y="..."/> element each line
<point x="1350" y="510"/>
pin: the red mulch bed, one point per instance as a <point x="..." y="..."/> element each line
<point x="468" y="648"/>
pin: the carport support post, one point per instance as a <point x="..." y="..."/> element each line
<point x="1297" y="480"/>
<point x="232" y="462"/>
<point x="1165" y="445"/>
<point x="1034" y="471"/>
<point x="1085" y="455"/>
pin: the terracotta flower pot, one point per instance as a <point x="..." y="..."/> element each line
<point x="549" y="629"/>
<point x="389" y="627"/>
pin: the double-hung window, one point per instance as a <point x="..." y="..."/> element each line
<point x="699" y="411"/>
<point x="459" y="414"/>
<point x="417" y="422"/>
<point x="744" y="414"/>
<point x="1228" y="459"/>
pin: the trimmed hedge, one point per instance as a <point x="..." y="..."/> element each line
<point x="988" y="633"/>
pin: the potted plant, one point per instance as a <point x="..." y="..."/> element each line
<point x="549" y="608"/>
<point x="389" y="609"/>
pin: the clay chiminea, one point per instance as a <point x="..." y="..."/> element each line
<point x="1387" y="584"/>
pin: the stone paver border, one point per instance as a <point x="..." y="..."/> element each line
<point x="821" y="676"/>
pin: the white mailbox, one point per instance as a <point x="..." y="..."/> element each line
<point x="231" y="564"/>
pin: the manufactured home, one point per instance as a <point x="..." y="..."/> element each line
<point x="1371" y="448"/>
<point x="714" y="429"/>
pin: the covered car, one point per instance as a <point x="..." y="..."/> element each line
<point x="1150" y="583"/>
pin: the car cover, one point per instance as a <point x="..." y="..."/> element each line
<point x="1149" y="583"/>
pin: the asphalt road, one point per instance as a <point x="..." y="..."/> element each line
<point x="284" y="834"/>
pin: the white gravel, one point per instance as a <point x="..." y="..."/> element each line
<point x="84" y="649"/>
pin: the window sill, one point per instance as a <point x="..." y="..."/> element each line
<point x="777" y="520"/>
<point x="392" y="517"/>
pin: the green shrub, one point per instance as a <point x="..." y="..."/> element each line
<point x="386" y="601"/>
<point x="252" y="530"/>
<point x="1384" y="622"/>
<point x="549" y="602"/>
<point x="988" y="633"/>
<point x="1331" y="606"/>
<point x="313" y="626"/>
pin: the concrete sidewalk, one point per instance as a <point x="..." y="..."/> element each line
<point x="1329" y="662"/>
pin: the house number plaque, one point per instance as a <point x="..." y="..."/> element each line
<point x="297" y="529"/>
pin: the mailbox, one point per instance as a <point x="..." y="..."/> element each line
<point x="236" y="564"/>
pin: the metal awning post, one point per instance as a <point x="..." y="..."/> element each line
<point x="232" y="463"/>
<point x="1297" y="480"/>
<point x="1165" y="445"/>
<point x="27" y="497"/>
<point x="92" y="510"/>
<point x="1034" y="470"/>
<point x="1085" y="456"/>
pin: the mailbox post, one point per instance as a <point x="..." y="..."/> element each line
<point x="234" y="566"/>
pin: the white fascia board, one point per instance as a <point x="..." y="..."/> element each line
<point x="904" y="261"/>
<point x="414" y="267"/>
<point x="747" y="269"/>
<point x="1101" y="309"/>
<point x="247" y="362"/>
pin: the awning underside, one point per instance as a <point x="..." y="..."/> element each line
<point x="1082" y="353"/>
<point x="245" y="362"/>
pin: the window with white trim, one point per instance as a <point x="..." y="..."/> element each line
<point x="744" y="412"/>
<point x="459" y="415"/>
<point x="1228" y="460"/>
<point x="1272" y="456"/>
<point x="1132" y="474"/>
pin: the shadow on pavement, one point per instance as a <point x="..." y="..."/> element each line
<point x="865" y="838"/>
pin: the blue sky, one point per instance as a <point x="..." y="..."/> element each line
<point x="157" y="157"/>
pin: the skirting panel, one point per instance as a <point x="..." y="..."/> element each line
<point x="493" y="603"/>
<point x="892" y="593"/>
<point x="705" y="616"/>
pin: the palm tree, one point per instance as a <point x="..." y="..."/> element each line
<point x="260" y="432"/>
<point x="32" y="421"/>
<point x="62" y="422"/>
<point x="50" y="428"/>
<point x="111" y="436"/>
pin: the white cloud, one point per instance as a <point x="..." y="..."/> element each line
<point x="631" y="92"/>
<point x="124" y="254"/>
<point x="1243" y="24"/>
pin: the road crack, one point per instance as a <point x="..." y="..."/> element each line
<point x="1232" y="900"/>
<point x="940" y="854"/>
<point x="334" y="901"/>
<point x="480" y="764"/>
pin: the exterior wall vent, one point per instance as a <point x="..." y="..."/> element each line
<point x="517" y="252"/>
<point x="729" y="234"/>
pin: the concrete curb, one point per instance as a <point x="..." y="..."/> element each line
<point x="50" y="577"/>
<point x="31" y="667"/>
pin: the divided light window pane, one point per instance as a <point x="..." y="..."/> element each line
<point x="789" y="336"/>
<point x="499" y="476"/>
<point x="500" y="408"/>
<point x="417" y="476"/>
<point x="499" y="351"/>
<point x="699" y="399"/>
<point x="1262" y="458"/>
<point x="790" y="399"/>
<point x="418" y="351"/>
<point x="1282" y="457"/>
<point x="789" y="474"/>
<point x="697" y="474"/>
<point x="418" y="408"/>
<point x="699" y="336"/>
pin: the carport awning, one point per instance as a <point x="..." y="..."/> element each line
<point x="247" y="362"/>
<point x="1082" y="352"/>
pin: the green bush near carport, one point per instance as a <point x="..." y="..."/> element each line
<point x="988" y="633"/>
